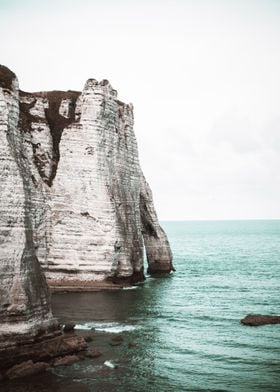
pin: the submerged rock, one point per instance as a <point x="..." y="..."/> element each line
<point x="260" y="319"/>
<point x="118" y="338"/>
<point x="88" y="339"/>
<point x="93" y="354"/>
<point x="66" y="360"/>
<point x="118" y="343"/>
<point x="42" y="350"/>
<point x="132" y="344"/>
<point x="26" y="368"/>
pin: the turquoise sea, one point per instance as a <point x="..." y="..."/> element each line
<point x="186" y="325"/>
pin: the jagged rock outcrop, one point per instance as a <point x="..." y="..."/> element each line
<point x="89" y="205"/>
<point x="25" y="314"/>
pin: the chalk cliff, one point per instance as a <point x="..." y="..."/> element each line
<point x="23" y="288"/>
<point x="26" y="319"/>
<point x="72" y="192"/>
<point x="75" y="209"/>
<point x="91" y="204"/>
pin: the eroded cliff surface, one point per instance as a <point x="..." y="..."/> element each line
<point x="24" y="300"/>
<point x="89" y="205"/>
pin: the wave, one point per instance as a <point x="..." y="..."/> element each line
<point x="109" y="364"/>
<point x="130" y="288"/>
<point x="113" y="327"/>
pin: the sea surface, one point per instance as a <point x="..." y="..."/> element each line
<point x="186" y="326"/>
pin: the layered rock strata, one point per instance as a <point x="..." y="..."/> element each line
<point x="89" y="204"/>
<point x="25" y="313"/>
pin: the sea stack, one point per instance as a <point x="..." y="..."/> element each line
<point x="75" y="209"/>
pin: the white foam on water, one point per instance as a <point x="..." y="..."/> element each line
<point x="107" y="327"/>
<point x="130" y="288"/>
<point x="109" y="364"/>
<point x="117" y="329"/>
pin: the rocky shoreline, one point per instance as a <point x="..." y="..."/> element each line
<point x="31" y="358"/>
<point x="71" y="347"/>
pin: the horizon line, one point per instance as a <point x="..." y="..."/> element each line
<point x="219" y="220"/>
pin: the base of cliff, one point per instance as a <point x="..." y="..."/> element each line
<point x="23" y="359"/>
<point x="160" y="268"/>
<point x="110" y="283"/>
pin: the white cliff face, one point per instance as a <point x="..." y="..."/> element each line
<point x="95" y="216"/>
<point x="88" y="198"/>
<point x="24" y="300"/>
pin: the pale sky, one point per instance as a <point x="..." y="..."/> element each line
<point x="204" y="78"/>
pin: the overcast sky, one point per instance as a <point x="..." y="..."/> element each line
<point x="204" y="78"/>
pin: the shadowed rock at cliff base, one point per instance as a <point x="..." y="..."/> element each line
<point x="122" y="281"/>
<point x="26" y="368"/>
<point x="260" y="319"/>
<point x="46" y="349"/>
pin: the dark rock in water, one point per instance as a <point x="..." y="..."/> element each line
<point x="67" y="360"/>
<point x="88" y="339"/>
<point x="112" y="343"/>
<point x="26" y="368"/>
<point x="117" y="338"/>
<point x="260" y="319"/>
<point x="93" y="354"/>
<point x="132" y="344"/>
<point x="69" y="328"/>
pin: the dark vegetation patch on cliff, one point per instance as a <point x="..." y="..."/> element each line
<point x="6" y="77"/>
<point x="55" y="121"/>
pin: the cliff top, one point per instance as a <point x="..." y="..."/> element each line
<point x="6" y="77"/>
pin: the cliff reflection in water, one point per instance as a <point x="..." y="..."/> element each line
<point x="115" y="305"/>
